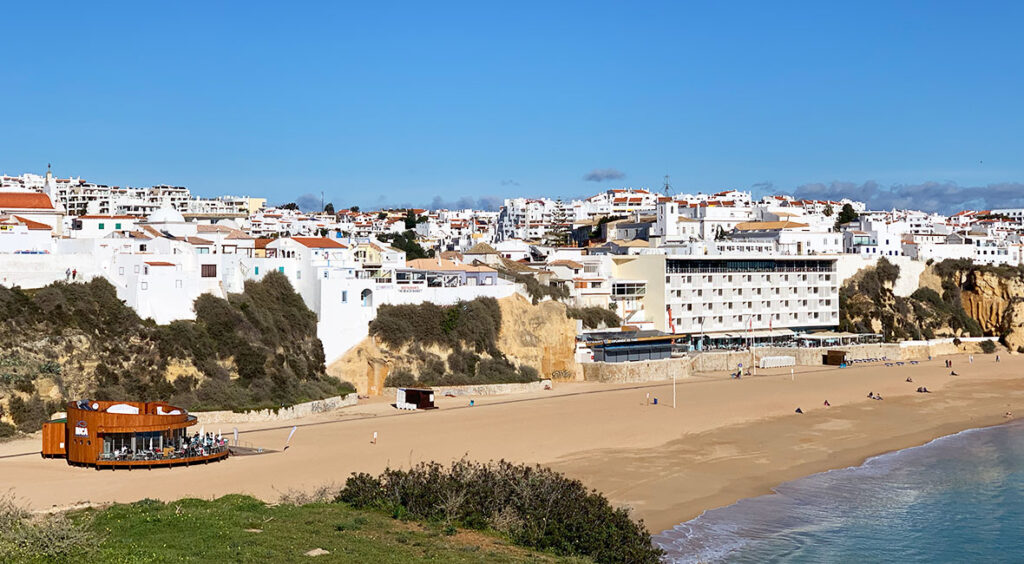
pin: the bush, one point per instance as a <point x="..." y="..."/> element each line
<point x="43" y="538"/>
<point x="266" y="335"/>
<point x="7" y="430"/>
<point x="533" y="506"/>
<point x="988" y="347"/>
<point x="594" y="317"/>
<point x="474" y="324"/>
<point x="399" y="379"/>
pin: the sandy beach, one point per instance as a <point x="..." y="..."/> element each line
<point x="725" y="440"/>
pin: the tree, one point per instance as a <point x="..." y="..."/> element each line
<point x="406" y="241"/>
<point x="329" y="208"/>
<point x="846" y="215"/>
<point x="410" y="219"/>
<point x="354" y="209"/>
<point x="828" y="210"/>
<point x="382" y="215"/>
<point x="290" y="206"/>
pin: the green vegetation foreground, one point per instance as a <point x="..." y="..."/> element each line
<point x="468" y="512"/>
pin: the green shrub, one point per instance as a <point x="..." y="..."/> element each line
<point x="24" y="538"/>
<point x="7" y="430"/>
<point x="988" y="347"/>
<point x="265" y="334"/>
<point x="594" y="317"/>
<point x="474" y="324"/>
<point x="399" y="379"/>
<point x="533" y="506"/>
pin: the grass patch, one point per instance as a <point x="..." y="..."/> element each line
<point x="237" y="528"/>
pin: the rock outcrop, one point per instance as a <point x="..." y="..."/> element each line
<point x="539" y="336"/>
<point x="996" y="301"/>
<point x="954" y="299"/>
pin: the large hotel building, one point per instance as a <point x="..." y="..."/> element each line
<point x="729" y="296"/>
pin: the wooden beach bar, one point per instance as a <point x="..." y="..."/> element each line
<point x="114" y="434"/>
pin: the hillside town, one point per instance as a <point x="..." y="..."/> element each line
<point x="722" y="268"/>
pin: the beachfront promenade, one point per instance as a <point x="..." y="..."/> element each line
<point x="725" y="440"/>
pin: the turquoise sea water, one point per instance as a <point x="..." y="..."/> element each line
<point x="957" y="499"/>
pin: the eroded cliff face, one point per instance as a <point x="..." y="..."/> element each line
<point x="996" y="301"/>
<point x="540" y="336"/>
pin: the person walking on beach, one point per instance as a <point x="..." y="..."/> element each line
<point x="67" y="275"/>
<point x="74" y="274"/>
<point x="374" y="441"/>
<point x="997" y="358"/>
<point x="970" y="359"/>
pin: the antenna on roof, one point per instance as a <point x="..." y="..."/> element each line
<point x="668" y="187"/>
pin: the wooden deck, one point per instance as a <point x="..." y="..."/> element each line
<point x="161" y="462"/>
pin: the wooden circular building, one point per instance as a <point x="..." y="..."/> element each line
<point x="110" y="434"/>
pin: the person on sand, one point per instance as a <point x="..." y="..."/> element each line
<point x="909" y="379"/>
<point x="970" y="359"/>
<point x="827" y="404"/>
<point x="997" y="358"/>
<point x="953" y="373"/>
<point x="798" y="410"/>
<point x="871" y="395"/>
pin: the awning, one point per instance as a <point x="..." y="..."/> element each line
<point x="772" y="333"/>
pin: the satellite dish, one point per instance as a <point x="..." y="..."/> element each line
<point x="96" y="406"/>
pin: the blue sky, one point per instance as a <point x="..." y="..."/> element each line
<point x="381" y="103"/>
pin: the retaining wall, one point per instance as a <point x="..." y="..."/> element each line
<point x="483" y="389"/>
<point x="640" y="371"/>
<point x="283" y="414"/>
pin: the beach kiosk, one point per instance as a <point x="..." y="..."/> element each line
<point x="113" y="434"/>
<point x="415" y="398"/>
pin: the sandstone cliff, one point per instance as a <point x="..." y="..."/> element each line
<point x="995" y="299"/>
<point x="954" y="299"/>
<point x="537" y="336"/>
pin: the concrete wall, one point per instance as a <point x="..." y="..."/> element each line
<point x="642" y="371"/>
<point x="483" y="389"/>
<point x="293" y="412"/>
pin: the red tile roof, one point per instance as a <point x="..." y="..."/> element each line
<point x="160" y="263"/>
<point x="318" y="243"/>
<point x="33" y="225"/>
<point x="110" y="217"/>
<point x="25" y="200"/>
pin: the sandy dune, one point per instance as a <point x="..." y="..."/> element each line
<point x="725" y="440"/>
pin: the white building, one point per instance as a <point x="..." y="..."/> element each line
<point x="732" y="297"/>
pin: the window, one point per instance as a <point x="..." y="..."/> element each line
<point x="117" y="226"/>
<point x="120" y="270"/>
<point x="142" y="248"/>
<point x="209" y="271"/>
<point x="136" y="269"/>
<point x="177" y="283"/>
<point x="256" y="270"/>
<point x="344" y="296"/>
<point x="100" y="226"/>
<point x="145" y="285"/>
<point x="280" y="269"/>
<point x="298" y="274"/>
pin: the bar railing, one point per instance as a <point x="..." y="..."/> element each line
<point x="167" y="453"/>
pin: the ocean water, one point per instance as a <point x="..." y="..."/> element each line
<point x="956" y="499"/>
